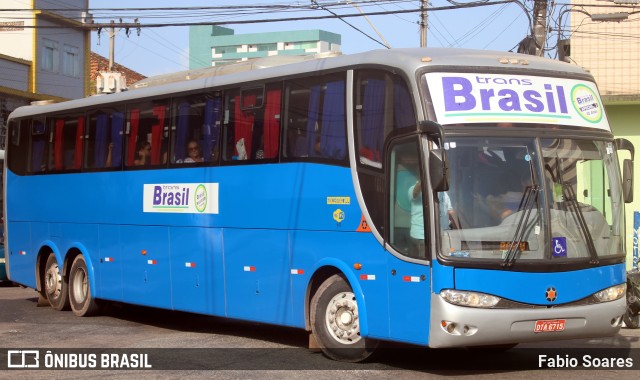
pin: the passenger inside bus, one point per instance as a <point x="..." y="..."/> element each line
<point x="416" y="232"/>
<point x="108" y="160"/>
<point x="194" y="153"/>
<point x="515" y="184"/>
<point x="144" y="154"/>
<point x="511" y="200"/>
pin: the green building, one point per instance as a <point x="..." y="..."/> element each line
<point x="216" y="45"/>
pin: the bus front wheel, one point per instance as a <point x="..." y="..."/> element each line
<point x="335" y="322"/>
<point x="55" y="285"/>
<point x="82" y="302"/>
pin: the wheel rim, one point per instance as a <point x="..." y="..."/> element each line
<point x="53" y="282"/>
<point x="342" y="318"/>
<point x="80" y="286"/>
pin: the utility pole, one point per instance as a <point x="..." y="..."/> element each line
<point x="423" y="23"/>
<point x="540" y="25"/>
<point x="111" y="81"/>
<point x="112" y="43"/>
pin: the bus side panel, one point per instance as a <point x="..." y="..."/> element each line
<point x="257" y="268"/>
<point x="409" y="301"/>
<point x="311" y="248"/>
<point x="110" y="263"/>
<point x="21" y="255"/>
<point x="146" y="265"/>
<point x="193" y="270"/>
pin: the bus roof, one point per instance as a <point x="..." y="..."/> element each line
<point x="409" y="60"/>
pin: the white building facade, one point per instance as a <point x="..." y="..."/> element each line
<point x="44" y="51"/>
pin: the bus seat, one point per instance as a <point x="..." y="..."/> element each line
<point x="37" y="155"/>
<point x="101" y="142"/>
<point x="117" y="131"/>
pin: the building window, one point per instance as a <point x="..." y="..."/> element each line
<point x="308" y="45"/>
<point x="50" y="55"/>
<point x="71" y="61"/>
<point x="301" y="45"/>
<point x="267" y="47"/>
<point x="225" y="49"/>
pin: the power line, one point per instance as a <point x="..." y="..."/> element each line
<point x="351" y="25"/>
<point x="284" y="19"/>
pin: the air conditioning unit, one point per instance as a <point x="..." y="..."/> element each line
<point x="109" y="82"/>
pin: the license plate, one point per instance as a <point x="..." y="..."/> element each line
<point x="549" y="325"/>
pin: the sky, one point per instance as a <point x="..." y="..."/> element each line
<point x="166" y="49"/>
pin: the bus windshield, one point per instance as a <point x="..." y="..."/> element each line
<point x="511" y="204"/>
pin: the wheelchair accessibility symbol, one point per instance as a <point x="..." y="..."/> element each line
<point x="559" y="246"/>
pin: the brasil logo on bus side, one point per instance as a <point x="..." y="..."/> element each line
<point x="183" y="198"/>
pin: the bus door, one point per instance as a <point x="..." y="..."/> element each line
<point x="409" y="282"/>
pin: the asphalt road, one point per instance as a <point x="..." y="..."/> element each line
<point x="183" y="345"/>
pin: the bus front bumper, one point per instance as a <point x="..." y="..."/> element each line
<point x="475" y="326"/>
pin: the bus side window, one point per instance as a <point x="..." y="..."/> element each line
<point x="316" y="118"/>
<point x="65" y="150"/>
<point x="196" y="129"/>
<point x="147" y="130"/>
<point x="252" y="123"/>
<point x="383" y="104"/>
<point x="20" y="151"/>
<point x="39" y="138"/>
<point x="104" y="139"/>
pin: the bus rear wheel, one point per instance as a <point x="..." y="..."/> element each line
<point x="335" y="322"/>
<point x="55" y="285"/>
<point x="82" y="302"/>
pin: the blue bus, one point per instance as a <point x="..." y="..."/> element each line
<point x="444" y="198"/>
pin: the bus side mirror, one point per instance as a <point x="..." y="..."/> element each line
<point x="627" y="169"/>
<point x="438" y="170"/>
<point x="438" y="163"/>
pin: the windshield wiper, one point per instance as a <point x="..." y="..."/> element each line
<point x="530" y="197"/>
<point x="570" y="196"/>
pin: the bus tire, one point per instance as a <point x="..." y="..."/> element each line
<point x="55" y="285"/>
<point x="82" y="302"/>
<point x="631" y="317"/>
<point x="335" y="322"/>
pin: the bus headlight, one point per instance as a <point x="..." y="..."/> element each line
<point x="470" y="299"/>
<point x="611" y="294"/>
